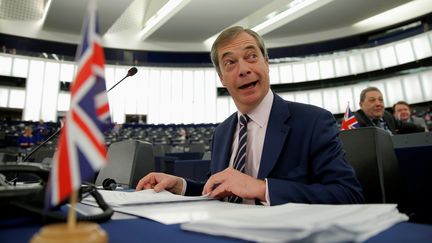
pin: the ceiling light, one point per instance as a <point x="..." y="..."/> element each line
<point x="163" y="15"/>
<point x="45" y="12"/>
<point x="271" y="15"/>
<point x="294" y="10"/>
<point x="294" y="2"/>
<point x="275" y="19"/>
<point x="55" y="56"/>
<point x="401" y="12"/>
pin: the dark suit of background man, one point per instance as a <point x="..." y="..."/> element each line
<point x="402" y="111"/>
<point x="372" y="113"/>
<point x="293" y="150"/>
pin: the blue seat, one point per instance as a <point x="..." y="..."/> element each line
<point x="192" y="169"/>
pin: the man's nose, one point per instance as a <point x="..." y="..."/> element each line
<point x="244" y="69"/>
<point x="379" y="102"/>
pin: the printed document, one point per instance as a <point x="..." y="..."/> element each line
<point x="302" y="222"/>
<point x="123" y="198"/>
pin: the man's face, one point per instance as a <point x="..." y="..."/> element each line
<point x="402" y="112"/>
<point x="244" y="71"/>
<point x="373" y="105"/>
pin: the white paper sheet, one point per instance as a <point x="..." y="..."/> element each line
<point x="164" y="207"/>
<point x="182" y="212"/>
<point x="122" y="198"/>
<point x="294" y="222"/>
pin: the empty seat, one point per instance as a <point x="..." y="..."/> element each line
<point x="130" y="160"/>
<point x="370" y="152"/>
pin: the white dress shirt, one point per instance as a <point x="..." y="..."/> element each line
<point x="256" y="130"/>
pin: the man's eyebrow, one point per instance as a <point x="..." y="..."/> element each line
<point x="249" y="47"/>
<point x="225" y="54"/>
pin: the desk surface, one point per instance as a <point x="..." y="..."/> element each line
<point x="143" y="230"/>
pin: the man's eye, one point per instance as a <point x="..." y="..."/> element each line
<point x="252" y="56"/>
<point x="227" y="63"/>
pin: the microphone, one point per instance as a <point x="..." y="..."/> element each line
<point x="111" y="185"/>
<point x="131" y="72"/>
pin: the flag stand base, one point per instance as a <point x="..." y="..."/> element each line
<point x="83" y="232"/>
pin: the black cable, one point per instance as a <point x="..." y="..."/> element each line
<point x="57" y="216"/>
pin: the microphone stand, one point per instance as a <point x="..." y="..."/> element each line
<point x="42" y="144"/>
<point x="131" y="72"/>
<point x="117" y="83"/>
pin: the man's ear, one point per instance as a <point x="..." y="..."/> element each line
<point x="221" y="80"/>
<point x="267" y="64"/>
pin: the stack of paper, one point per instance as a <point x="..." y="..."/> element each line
<point x="164" y="207"/>
<point x="122" y="198"/>
<point x="294" y="222"/>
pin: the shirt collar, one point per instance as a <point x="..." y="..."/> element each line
<point x="261" y="113"/>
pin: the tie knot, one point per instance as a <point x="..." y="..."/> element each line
<point x="244" y="119"/>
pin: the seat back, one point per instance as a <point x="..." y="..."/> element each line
<point x="370" y="152"/>
<point x="43" y="153"/>
<point x="130" y="160"/>
<point x="414" y="152"/>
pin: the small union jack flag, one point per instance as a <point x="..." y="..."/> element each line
<point x="81" y="148"/>
<point x="349" y="121"/>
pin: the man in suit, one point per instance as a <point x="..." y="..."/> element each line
<point x="372" y="113"/>
<point x="293" y="152"/>
<point x="402" y="111"/>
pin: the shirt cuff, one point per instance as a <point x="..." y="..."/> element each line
<point x="183" y="192"/>
<point x="267" y="201"/>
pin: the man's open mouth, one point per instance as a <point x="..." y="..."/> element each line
<point x="248" y="85"/>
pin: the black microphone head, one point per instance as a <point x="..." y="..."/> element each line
<point x="109" y="184"/>
<point x="132" y="71"/>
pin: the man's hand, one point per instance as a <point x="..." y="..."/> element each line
<point x="231" y="181"/>
<point x="159" y="182"/>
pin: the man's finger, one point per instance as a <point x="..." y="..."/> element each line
<point x="145" y="181"/>
<point x="219" y="190"/>
<point x="164" y="184"/>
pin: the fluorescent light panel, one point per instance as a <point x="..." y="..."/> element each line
<point x="294" y="10"/>
<point x="275" y="19"/>
<point x="161" y="16"/>
<point x="401" y="12"/>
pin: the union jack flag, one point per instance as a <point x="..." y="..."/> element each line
<point x="81" y="148"/>
<point x="349" y="121"/>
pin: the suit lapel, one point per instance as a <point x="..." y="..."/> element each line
<point x="226" y="142"/>
<point x="363" y="119"/>
<point x="277" y="131"/>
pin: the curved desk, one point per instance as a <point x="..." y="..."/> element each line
<point x="143" y="230"/>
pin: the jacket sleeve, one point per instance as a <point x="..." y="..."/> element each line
<point x="194" y="188"/>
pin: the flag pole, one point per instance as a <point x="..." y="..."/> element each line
<point x="71" y="219"/>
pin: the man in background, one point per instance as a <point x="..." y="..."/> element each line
<point x="402" y="111"/>
<point x="373" y="114"/>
